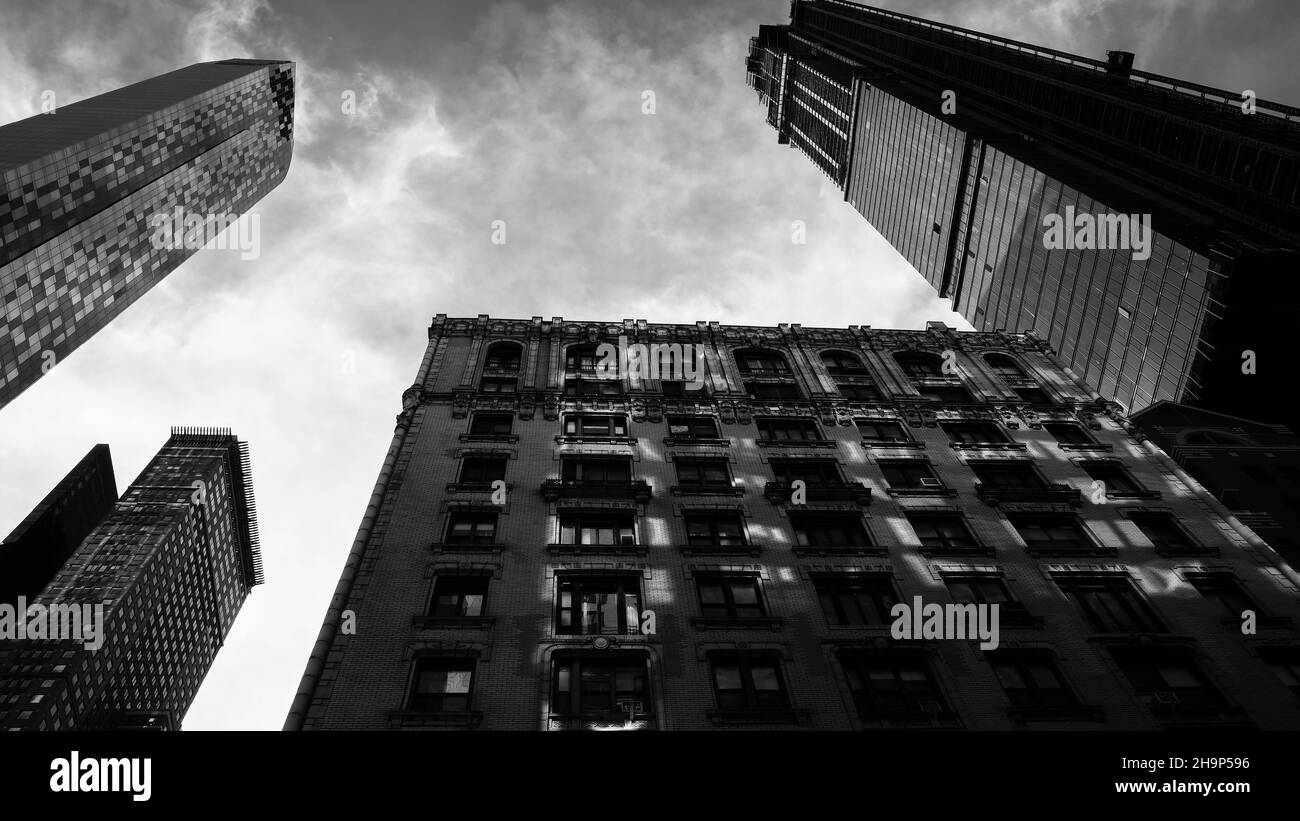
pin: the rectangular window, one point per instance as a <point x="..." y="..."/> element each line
<point x="910" y="474"/>
<point x="1008" y="475"/>
<point x="882" y="431"/>
<point x="948" y="394"/>
<point x="596" y="471"/>
<point x="459" y="596"/>
<point x="859" y="392"/>
<point x="1068" y="433"/>
<point x="1224" y="592"/>
<point x="858" y="599"/>
<point x="774" y="391"/>
<point x="491" y="424"/>
<point x="1164" y="533"/>
<point x="1117" y="480"/>
<point x="593" y="387"/>
<point x="714" y="530"/>
<point x="587" y="528"/>
<point x="890" y="685"/>
<point x="1285" y="662"/>
<point x="745" y="684"/>
<point x="942" y="531"/>
<point x="442" y="685"/>
<point x="788" y="430"/>
<point x="609" y="686"/>
<point x="972" y="433"/>
<point x="703" y="473"/>
<point x="1060" y="533"/>
<point x="595" y="425"/>
<point x="812" y="472"/>
<point x="1031" y="679"/>
<point x="692" y="427"/>
<point x="1033" y="396"/>
<point x="1110" y="603"/>
<point x="498" y="385"/>
<point x="472" y="528"/>
<point x="730" y="597"/>
<point x="482" y="470"/>
<point x="1169" y="679"/>
<point x="976" y="588"/>
<point x="598" y="605"/>
<point x="829" y="530"/>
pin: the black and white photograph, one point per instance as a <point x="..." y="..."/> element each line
<point x="408" y="393"/>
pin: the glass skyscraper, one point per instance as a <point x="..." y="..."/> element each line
<point x="83" y="188"/>
<point x="961" y="148"/>
<point x="167" y="569"/>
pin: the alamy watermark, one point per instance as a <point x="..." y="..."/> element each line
<point x="190" y="231"/>
<point x="55" y="622"/>
<point x="946" y="621"/>
<point x="1098" y="232"/>
<point x="638" y="362"/>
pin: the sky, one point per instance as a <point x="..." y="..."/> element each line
<point x="470" y="115"/>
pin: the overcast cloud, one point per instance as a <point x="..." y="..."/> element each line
<point x="467" y="113"/>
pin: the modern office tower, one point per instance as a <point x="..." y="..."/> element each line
<point x="102" y="198"/>
<point x="33" y="553"/>
<point x="1018" y="181"/>
<point x="1252" y="468"/>
<point x="145" y="601"/>
<point x="548" y="548"/>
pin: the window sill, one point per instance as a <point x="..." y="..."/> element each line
<point x="467" y="547"/>
<point x="595" y="440"/>
<point x="957" y="552"/>
<point x="719" y="550"/>
<point x="1097" y="446"/>
<point x="1081" y="712"/>
<point x="454" y="622"/>
<point x="561" y="723"/>
<point x="704" y="490"/>
<point x="1005" y="446"/>
<point x="476" y="487"/>
<point x="723" y="623"/>
<point x="871" y="443"/>
<point x="911" y="720"/>
<point x="796" y="443"/>
<point x="741" y="717"/>
<point x="602" y="549"/>
<point x="503" y="438"/>
<point x="839" y="550"/>
<point x="679" y="441"/>
<point x="408" y="719"/>
<point x="905" y="492"/>
<point x="1070" y="552"/>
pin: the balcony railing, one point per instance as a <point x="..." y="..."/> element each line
<point x="553" y="489"/>
<point x="778" y="492"/>
<point x="1053" y="493"/>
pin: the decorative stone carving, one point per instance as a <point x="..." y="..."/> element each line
<point x="460" y="404"/>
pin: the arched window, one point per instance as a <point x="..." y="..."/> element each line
<point x="920" y="365"/>
<point x="581" y="377"/>
<point x="768" y="376"/>
<point x="501" y="368"/>
<point x="852" y="379"/>
<point x="843" y="363"/>
<point x="759" y="362"/>
<point x="1005" y="367"/>
<point x="503" y="356"/>
<point x="580" y="360"/>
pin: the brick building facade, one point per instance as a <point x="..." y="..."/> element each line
<point x="548" y="549"/>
